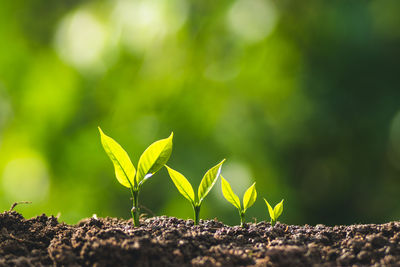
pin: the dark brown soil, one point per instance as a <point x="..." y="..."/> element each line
<point x="164" y="241"/>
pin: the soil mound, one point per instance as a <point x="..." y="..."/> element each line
<point x="166" y="241"/>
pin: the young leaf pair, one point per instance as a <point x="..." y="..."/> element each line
<point x="151" y="161"/>
<point x="249" y="198"/>
<point x="275" y="212"/>
<point x="186" y="189"/>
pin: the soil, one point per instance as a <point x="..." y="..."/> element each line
<point x="166" y="241"/>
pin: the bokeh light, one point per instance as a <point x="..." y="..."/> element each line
<point x="26" y="178"/>
<point x="142" y="25"/>
<point x="252" y="20"/>
<point x="81" y="41"/>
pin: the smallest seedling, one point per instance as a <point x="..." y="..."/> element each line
<point x="249" y="198"/>
<point x="275" y="212"/>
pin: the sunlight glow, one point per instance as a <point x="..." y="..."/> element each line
<point x="81" y="41"/>
<point x="142" y="24"/>
<point x="252" y="20"/>
<point x="26" y="179"/>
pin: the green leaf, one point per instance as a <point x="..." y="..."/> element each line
<point x="270" y="210"/>
<point x="154" y="158"/>
<point x="183" y="185"/>
<point x="124" y="169"/>
<point x="208" y="181"/>
<point x="229" y="194"/>
<point x="278" y="209"/>
<point x="249" y="197"/>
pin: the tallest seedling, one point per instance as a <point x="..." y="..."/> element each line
<point x="152" y="160"/>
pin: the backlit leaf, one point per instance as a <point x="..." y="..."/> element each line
<point x="270" y="210"/>
<point x="183" y="185"/>
<point x="229" y="194"/>
<point x="154" y="158"/>
<point x="208" y="181"/>
<point x="278" y="209"/>
<point x="249" y="197"/>
<point x="124" y="169"/>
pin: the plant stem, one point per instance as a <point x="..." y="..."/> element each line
<point x="242" y="221"/>
<point x="135" y="209"/>
<point x="273" y="222"/>
<point x="196" y="209"/>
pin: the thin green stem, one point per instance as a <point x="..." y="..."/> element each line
<point x="273" y="222"/>
<point x="242" y="220"/>
<point x="196" y="210"/>
<point x="135" y="198"/>
<point x="135" y="209"/>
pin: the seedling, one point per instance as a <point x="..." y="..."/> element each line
<point x="249" y="198"/>
<point x="276" y="212"/>
<point x="186" y="189"/>
<point x="151" y="161"/>
<point x="18" y="203"/>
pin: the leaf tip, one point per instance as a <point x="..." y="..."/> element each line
<point x="220" y="164"/>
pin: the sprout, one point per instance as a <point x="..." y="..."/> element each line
<point x="276" y="212"/>
<point x="249" y="198"/>
<point x="186" y="189"/>
<point x="151" y="161"/>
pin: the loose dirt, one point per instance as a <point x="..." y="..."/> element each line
<point x="166" y="241"/>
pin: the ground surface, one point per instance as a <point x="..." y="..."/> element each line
<point x="163" y="241"/>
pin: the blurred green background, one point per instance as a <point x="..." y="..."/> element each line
<point x="301" y="96"/>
